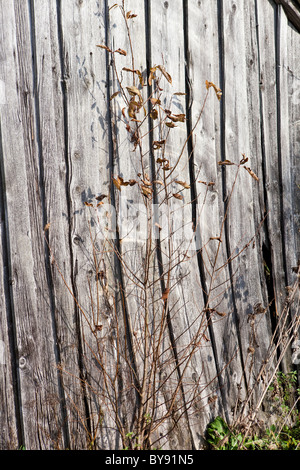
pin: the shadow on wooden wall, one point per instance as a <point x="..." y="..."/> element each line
<point x="63" y="140"/>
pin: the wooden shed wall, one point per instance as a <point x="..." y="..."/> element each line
<point x="57" y="153"/>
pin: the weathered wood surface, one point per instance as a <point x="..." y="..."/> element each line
<point x="59" y="149"/>
<point x="291" y="8"/>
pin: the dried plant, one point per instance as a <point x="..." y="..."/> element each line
<point x="139" y="352"/>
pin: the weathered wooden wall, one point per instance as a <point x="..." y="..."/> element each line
<point x="56" y="153"/>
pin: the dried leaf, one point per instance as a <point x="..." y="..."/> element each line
<point x="88" y="204"/>
<point x="146" y="191"/>
<point x="130" y="15"/>
<point x="147" y="183"/>
<point x="162" y="160"/>
<point x="167" y="166"/>
<point x="133" y="90"/>
<point x="225" y="162"/>
<point x="47" y="226"/>
<point x="101" y="197"/>
<point x="151" y="76"/>
<point x="165" y="73"/>
<point x="179" y="93"/>
<point x="114" y="95"/>
<point x="139" y="74"/>
<point x="117" y="183"/>
<point x="251" y="173"/>
<point x="104" y="47"/>
<point x="121" y="51"/>
<point x="177" y="117"/>
<point x="218" y="91"/>
<point x="141" y="78"/>
<point x="154" y="114"/>
<point x="178" y="196"/>
<point x="126" y="69"/>
<point x="166" y="294"/>
<point x="221" y="314"/>
<point x="157" y="144"/>
<point x="244" y="159"/>
<point x="98" y="328"/>
<point x="123" y="183"/>
<point x="132" y="109"/>
<point x="155" y="101"/>
<point x="184" y="184"/>
<point x="170" y="124"/>
<point x="135" y="138"/>
<point x="211" y="183"/>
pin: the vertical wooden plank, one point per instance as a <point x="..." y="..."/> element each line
<point x="240" y="226"/>
<point x="34" y="341"/>
<point x="9" y="437"/>
<point x="8" y="420"/>
<point x="272" y="37"/>
<point x="286" y="162"/>
<point x="288" y="241"/>
<point x="254" y="105"/>
<point x="51" y="135"/>
<point x="263" y="329"/>
<point x="167" y="50"/>
<point x="293" y="73"/>
<point x="205" y="66"/>
<point x="186" y="300"/>
<point x="268" y="84"/>
<point x="88" y="175"/>
<point x="131" y="162"/>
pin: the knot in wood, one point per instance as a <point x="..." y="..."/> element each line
<point x="22" y="362"/>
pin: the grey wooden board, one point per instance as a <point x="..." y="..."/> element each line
<point x="32" y="317"/>
<point x="56" y="155"/>
<point x="240" y="226"/>
<point x="89" y="176"/>
<point x="277" y="177"/>
<point x="8" y="423"/>
<point x="186" y="296"/>
<point x="51" y="138"/>
<point x="293" y="72"/>
<point x="131" y="211"/>
<point x="207" y="153"/>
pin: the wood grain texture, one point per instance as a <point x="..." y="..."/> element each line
<point x="240" y="228"/>
<point x="62" y="140"/>
<point x="32" y="318"/>
<point x="292" y="70"/>
<point x="292" y="10"/>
